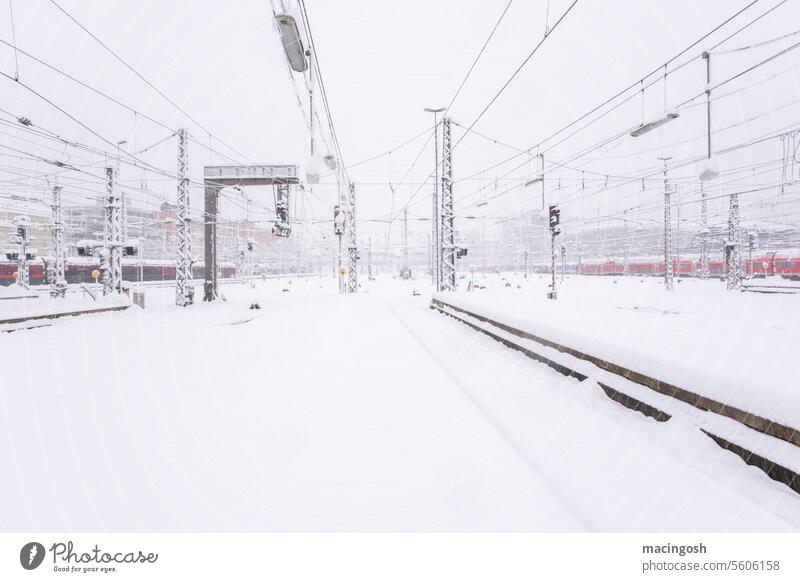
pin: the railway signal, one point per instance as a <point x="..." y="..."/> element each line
<point x="555" y="220"/>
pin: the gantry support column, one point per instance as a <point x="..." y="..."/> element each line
<point x="58" y="286"/>
<point x="447" y="262"/>
<point x="210" y="228"/>
<point x="352" y="248"/>
<point x="184" y="289"/>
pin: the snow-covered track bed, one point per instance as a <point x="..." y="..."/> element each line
<point x="772" y="447"/>
<point x="14" y="323"/>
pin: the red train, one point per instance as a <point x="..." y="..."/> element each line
<point x="782" y="264"/>
<point x="132" y="270"/>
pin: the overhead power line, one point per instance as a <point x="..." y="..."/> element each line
<point x="148" y="83"/>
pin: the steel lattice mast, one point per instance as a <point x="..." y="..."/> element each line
<point x="112" y="265"/>
<point x="447" y="261"/>
<point x="733" y="248"/>
<point x="702" y="270"/>
<point x="667" y="230"/>
<point x="58" y="286"/>
<point x="352" y="247"/>
<point x="184" y="289"/>
<point x="626" y="270"/>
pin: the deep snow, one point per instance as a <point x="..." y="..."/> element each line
<point x="322" y="412"/>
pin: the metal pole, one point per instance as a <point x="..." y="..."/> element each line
<point x="435" y="217"/>
<point x="404" y="267"/>
<point x="553" y="263"/>
<point x="734" y="265"/>
<point x="369" y="259"/>
<point x="625" y="265"/>
<point x="211" y="196"/>
<point x="58" y="287"/>
<point x="525" y="254"/>
<point x="448" y="249"/>
<point x="435" y="214"/>
<point x="184" y="290"/>
<point x="339" y="266"/>
<point x="667" y="230"/>
<point x="113" y="244"/>
<point x="430" y="255"/>
<point x="352" y="249"/>
<point x="703" y="267"/>
<point x="483" y="244"/>
<point x="311" y="97"/>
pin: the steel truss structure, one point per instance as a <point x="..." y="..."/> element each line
<point x="352" y="248"/>
<point x="111" y="267"/>
<point x="447" y="246"/>
<point x="184" y="289"/>
<point x="58" y="282"/>
<point x="733" y="250"/>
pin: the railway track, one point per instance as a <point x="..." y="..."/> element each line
<point x="758" y="441"/>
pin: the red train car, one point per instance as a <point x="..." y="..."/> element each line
<point x="783" y="264"/>
<point x="78" y="271"/>
<point x="786" y="265"/>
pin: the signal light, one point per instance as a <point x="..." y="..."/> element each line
<point x="555" y="217"/>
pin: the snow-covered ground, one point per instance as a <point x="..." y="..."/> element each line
<point x="737" y="348"/>
<point x="321" y="412"/>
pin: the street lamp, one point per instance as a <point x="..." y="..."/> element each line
<point x="292" y="42"/>
<point x="651" y="125"/>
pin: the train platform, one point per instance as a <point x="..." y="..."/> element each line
<point x="734" y="348"/>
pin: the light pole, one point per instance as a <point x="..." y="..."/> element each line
<point x="435" y="243"/>
<point x="483" y="243"/>
<point x="122" y="199"/>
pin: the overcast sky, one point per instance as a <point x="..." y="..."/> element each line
<point x="383" y="62"/>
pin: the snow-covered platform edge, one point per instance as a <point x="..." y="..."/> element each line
<point x="770" y="446"/>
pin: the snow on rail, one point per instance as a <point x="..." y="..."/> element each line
<point x="737" y="349"/>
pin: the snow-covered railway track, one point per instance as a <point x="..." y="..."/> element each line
<point x="31" y="321"/>
<point x="773" y="448"/>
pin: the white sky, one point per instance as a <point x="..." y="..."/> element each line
<point x="383" y="62"/>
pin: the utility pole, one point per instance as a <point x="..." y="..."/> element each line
<point x="703" y="267"/>
<point x="544" y="204"/>
<point x="58" y="284"/>
<point x="667" y="229"/>
<point x="525" y="255"/>
<point x="626" y="270"/>
<point x="122" y="198"/>
<point x="678" y="233"/>
<point x="435" y="234"/>
<point x="111" y="267"/>
<point x="483" y="244"/>
<point x="370" y="276"/>
<point x="448" y="246"/>
<point x="184" y="290"/>
<point x="352" y="249"/>
<point x="430" y="255"/>
<point x="404" y="269"/>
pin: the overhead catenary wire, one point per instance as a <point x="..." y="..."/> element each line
<point x="145" y="80"/>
